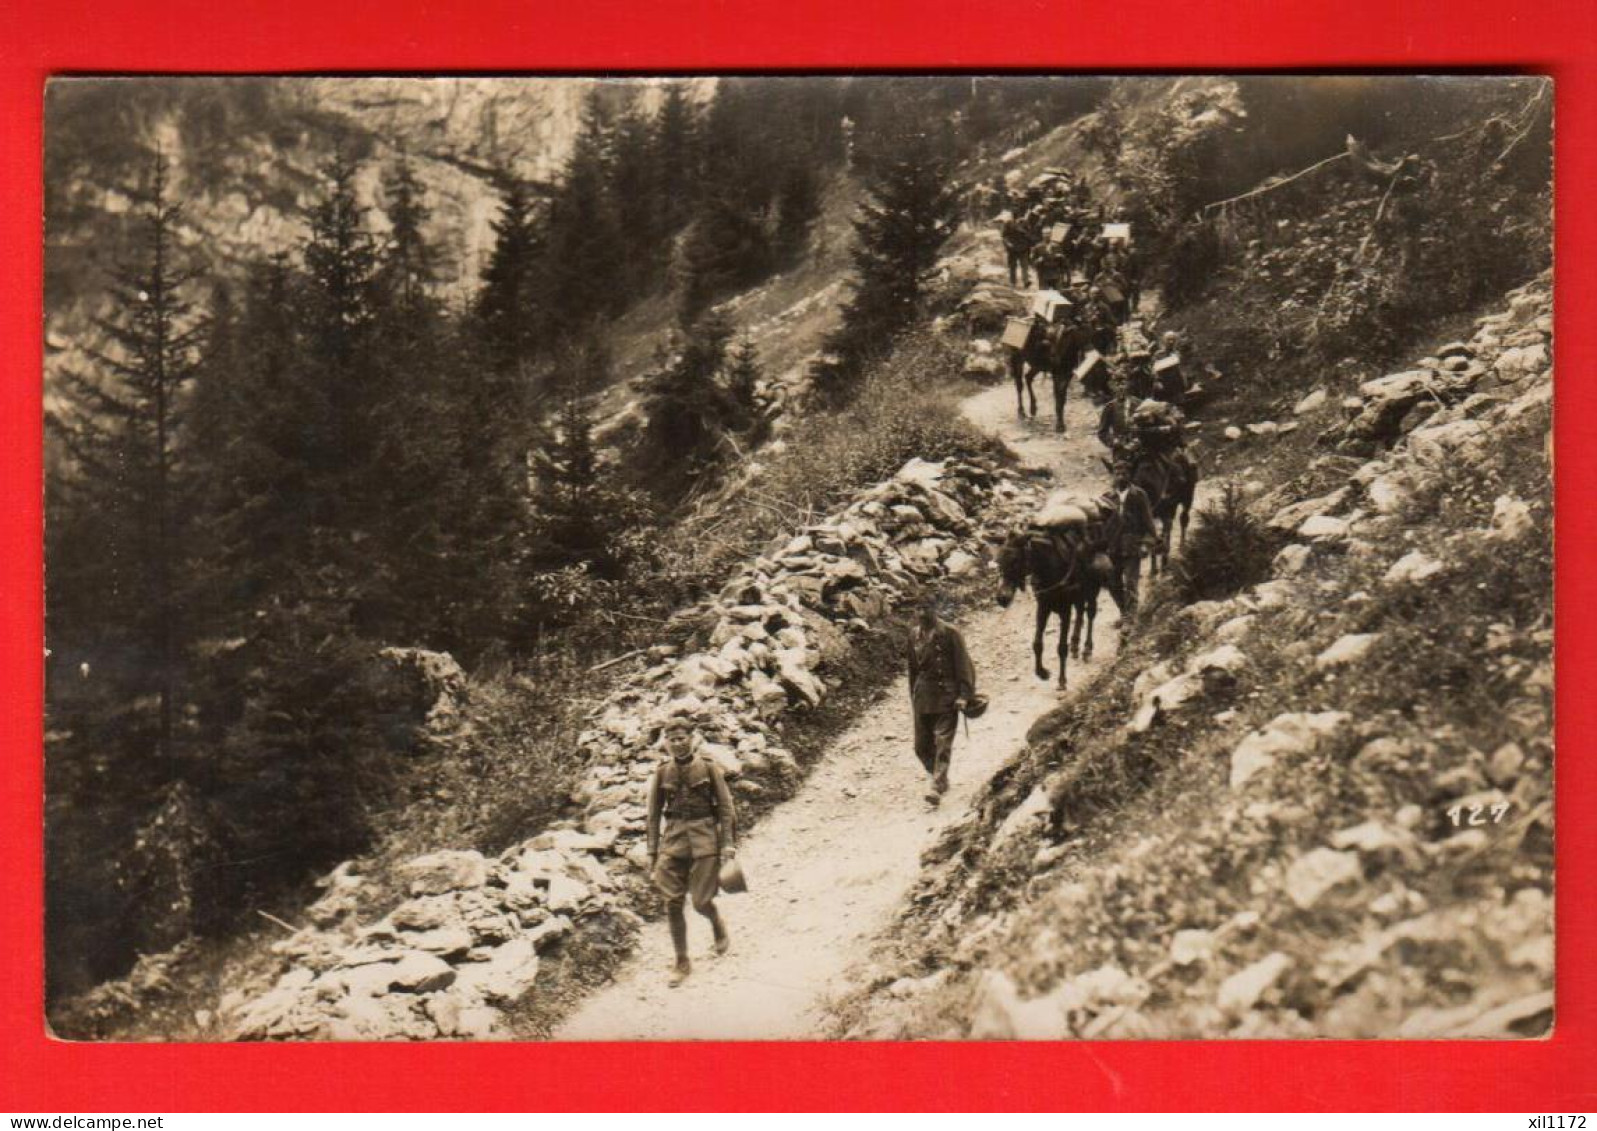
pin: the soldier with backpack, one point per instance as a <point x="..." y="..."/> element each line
<point x="942" y="684"/>
<point x="700" y="832"/>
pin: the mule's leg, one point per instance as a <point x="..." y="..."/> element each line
<point x="1075" y="631"/>
<point x="1061" y="388"/>
<point x="1063" y="649"/>
<point x="1159" y="560"/>
<point x="1036" y="640"/>
<point x="1186" y="514"/>
<point x="1017" y="369"/>
<point x="1031" y="390"/>
<point x="1092" y="615"/>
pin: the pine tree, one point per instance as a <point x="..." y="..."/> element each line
<point x="742" y="382"/>
<point x="507" y="304"/>
<point x="413" y="482"/>
<point x="250" y="439"/>
<point x="409" y="263"/>
<point x="342" y="263"/>
<point x="676" y="156"/>
<point x="910" y="212"/>
<point x="689" y="410"/>
<point x="583" y="261"/>
<point x="120" y="430"/>
<point x="579" y="517"/>
<point x="569" y="528"/>
<point x="639" y="206"/>
<point x="797" y="208"/>
<point x="724" y="248"/>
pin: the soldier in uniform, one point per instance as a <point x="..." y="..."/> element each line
<point x="1171" y="385"/>
<point x="1017" y="248"/>
<point x="942" y="682"/>
<point x="690" y="792"/>
<point x="1114" y="423"/>
<point x="1049" y="260"/>
<point x="1130" y="527"/>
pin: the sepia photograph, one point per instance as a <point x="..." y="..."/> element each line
<point x="845" y="557"/>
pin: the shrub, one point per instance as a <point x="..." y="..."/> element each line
<point x="1229" y="549"/>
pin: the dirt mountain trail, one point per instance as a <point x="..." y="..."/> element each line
<point x="828" y="868"/>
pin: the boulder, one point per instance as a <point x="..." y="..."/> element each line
<point x="448" y="941"/>
<point x="1378" y="841"/>
<point x="1311" y="403"/>
<point x="998" y="1013"/>
<point x="1291" y="517"/>
<point x="1190" y="947"/>
<point x="1461" y="440"/>
<point x="1166" y="697"/>
<point x="1242" y="990"/>
<point x="424" y="913"/>
<point x="1386" y="494"/>
<point x="342" y="889"/>
<point x="506" y="976"/>
<point x="1274" y="594"/>
<point x="1511" y="519"/>
<point x="1235" y="629"/>
<point x="1286" y="735"/>
<point x="1227" y="658"/>
<point x="960" y="563"/>
<point x="1522" y="361"/>
<point x="1505" y="764"/>
<point x="447" y="871"/>
<point x="1291" y="559"/>
<point x="419" y="973"/>
<point x="794" y="673"/>
<point x="1323" y="526"/>
<point x="1347" y="649"/>
<point x="983" y="366"/>
<point x="1315" y="874"/>
<point x="1412" y="568"/>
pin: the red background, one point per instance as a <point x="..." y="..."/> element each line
<point x="36" y="40"/>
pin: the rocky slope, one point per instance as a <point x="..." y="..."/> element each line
<point x="1319" y="807"/>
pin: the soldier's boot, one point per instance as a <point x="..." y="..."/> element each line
<point x="723" y="941"/>
<point x="676" y="914"/>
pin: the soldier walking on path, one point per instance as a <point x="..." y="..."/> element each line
<point x="942" y="682"/>
<point x="1017" y="239"/>
<point x="690" y="791"/>
<point x="1130" y="528"/>
<point x="1114" y="423"/>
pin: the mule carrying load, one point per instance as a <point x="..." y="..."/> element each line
<point x="1158" y="426"/>
<point x="1070" y="511"/>
<point x="1020" y="334"/>
<point x="1093" y="373"/>
<point x="1059" y="555"/>
<point x="1049" y="305"/>
<point x="1161" y="466"/>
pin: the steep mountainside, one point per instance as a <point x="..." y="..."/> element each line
<point x="246" y="156"/>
